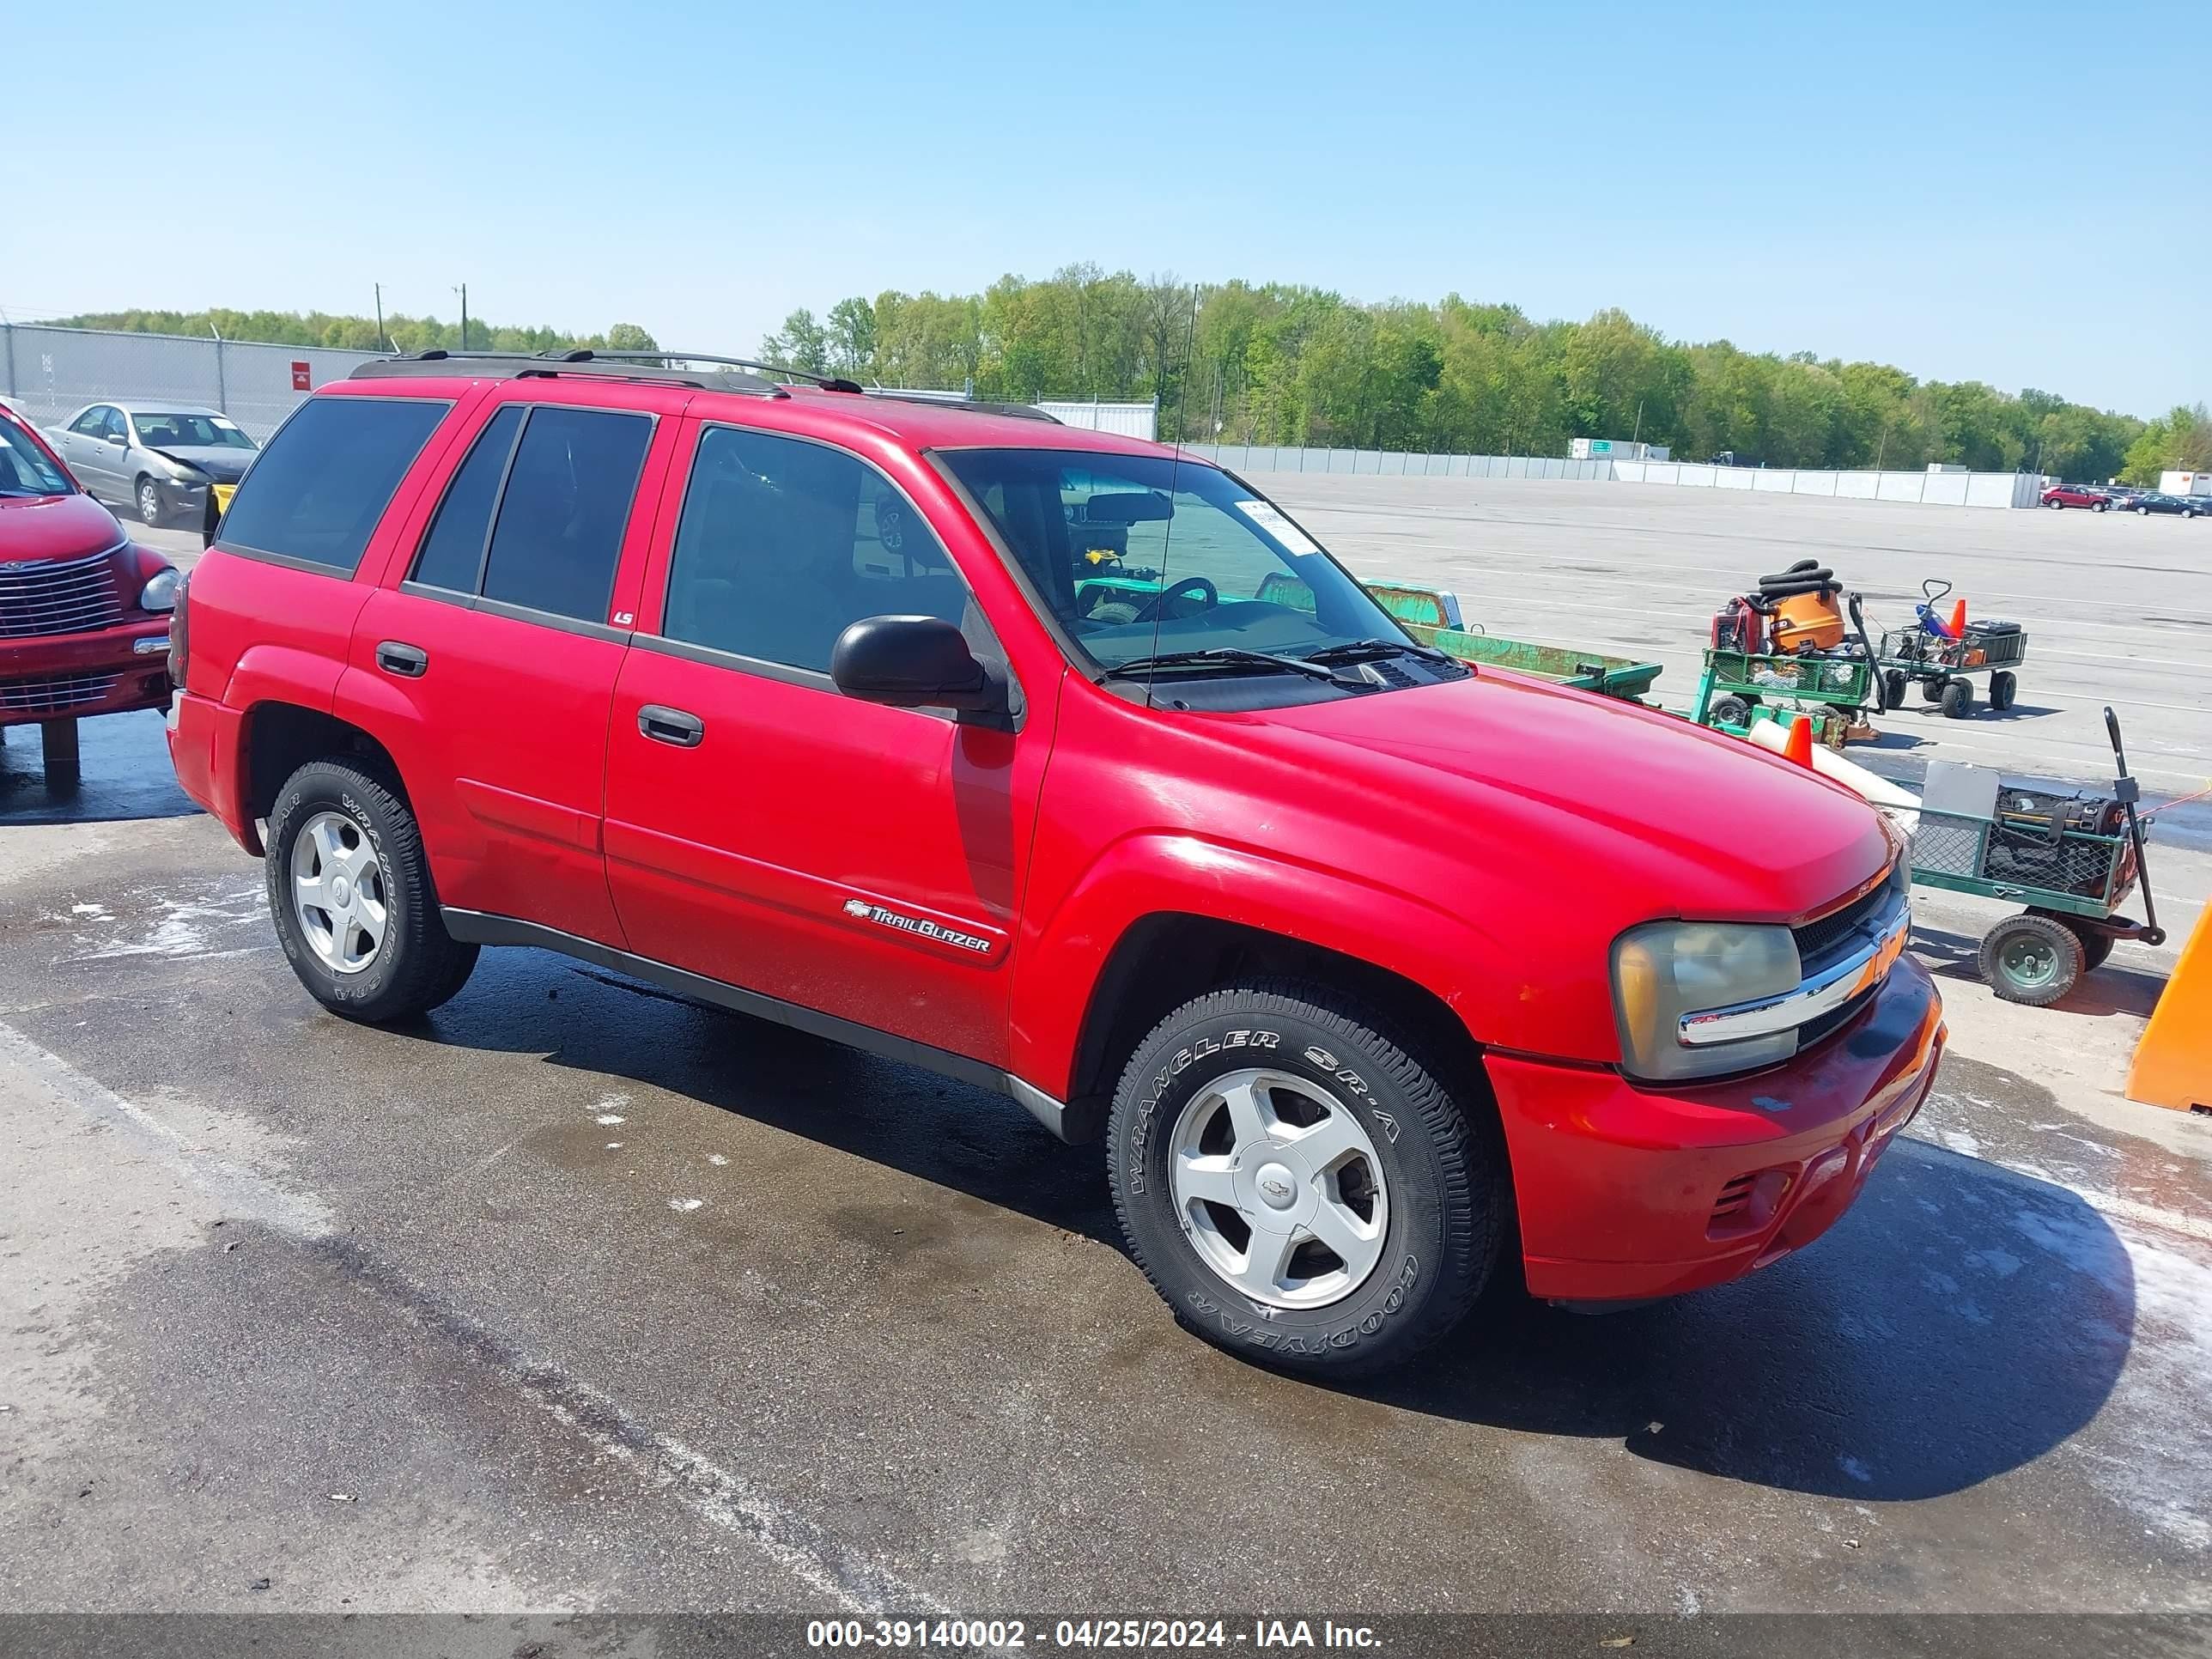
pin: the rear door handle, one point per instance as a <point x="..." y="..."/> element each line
<point x="410" y="662"/>
<point x="665" y="725"/>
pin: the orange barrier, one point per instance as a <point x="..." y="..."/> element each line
<point x="2173" y="1062"/>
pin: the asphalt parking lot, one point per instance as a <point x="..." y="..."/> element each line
<point x="578" y="1296"/>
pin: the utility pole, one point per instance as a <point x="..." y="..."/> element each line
<point x="463" y="290"/>
<point x="380" y="340"/>
<point x="1639" y="433"/>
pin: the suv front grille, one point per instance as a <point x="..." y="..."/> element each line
<point x="62" y="596"/>
<point x="54" y="694"/>
<point x="1818" y="937"/>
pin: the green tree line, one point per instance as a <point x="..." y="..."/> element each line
<point x="1276" y="364"/>
<point x="1279" y="363"/>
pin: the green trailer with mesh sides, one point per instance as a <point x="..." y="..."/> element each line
<point x="1432" y="617"/>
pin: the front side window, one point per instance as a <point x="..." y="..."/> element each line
<point x="317" y="492"/>
<point x="786" y="544"/>
<point x="25" y="469"/>
<point x="1138" y="554"/>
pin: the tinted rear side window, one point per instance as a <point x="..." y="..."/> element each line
<point x="318" y="490"/>
<point x="562" y="516"/>
<point x="452" y="553"/>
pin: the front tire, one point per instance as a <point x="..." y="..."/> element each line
<point x="1958" y="699"/>
<point x="350" y="892"/>
<point x="2004" y="686"/>
<point x="1302" y="1190"/>
<point x="148" y="496"/>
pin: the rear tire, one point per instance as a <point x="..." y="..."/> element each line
<point x="2003" y="687"/>
<point x="1317" y="1130"/>
<point x="1958" y="699"/>
<point x="1892" y="689"/>
<point x="350" y="892"/>
<point x="2100" y="507"/>
<point x="2030" y="959"/>
<point x="1932" y="691"/>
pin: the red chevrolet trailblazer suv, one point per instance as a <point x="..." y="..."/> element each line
<point x="1060" y="764"/>
<point x="84" y="611"/>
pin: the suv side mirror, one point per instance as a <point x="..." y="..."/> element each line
<point x="914" y="662"/>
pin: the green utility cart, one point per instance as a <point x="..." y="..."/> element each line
<point x="2023" y="843"/>
<point x="1830" y="690"/>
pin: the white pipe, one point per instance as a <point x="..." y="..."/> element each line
<point x="1902" y="805"/>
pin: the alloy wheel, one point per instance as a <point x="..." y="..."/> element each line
<point x="338" y="893"/>
<point x="1279" y="1189"/>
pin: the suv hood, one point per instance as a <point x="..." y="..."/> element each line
<point x="1646" y="802"/>
<point x="38" y="527"/>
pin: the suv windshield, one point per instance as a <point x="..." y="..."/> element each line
<point x="165" y="431"/>
<point x="1138" y="555"/>
<point x="24" y="468"/>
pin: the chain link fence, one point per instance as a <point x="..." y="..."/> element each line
<point x="49" y="374"/>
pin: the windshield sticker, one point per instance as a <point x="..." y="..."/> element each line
<point x="1278" y="526"/>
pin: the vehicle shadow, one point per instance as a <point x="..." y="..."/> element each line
<point x="1960" y="1322"/>
<point x="2102" y="991"/>
<point x="124" y="772"/>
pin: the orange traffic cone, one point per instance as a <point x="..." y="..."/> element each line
<point x="1959" y="620"/>
<point x="1799" y="747"/>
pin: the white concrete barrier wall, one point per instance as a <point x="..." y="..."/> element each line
<point x="1931" y="489"/>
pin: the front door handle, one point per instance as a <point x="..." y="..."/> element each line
<point x="665" y="725"/>
<point x="410" y="662"/>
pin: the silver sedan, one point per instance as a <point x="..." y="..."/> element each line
<point x="159" y="460"/>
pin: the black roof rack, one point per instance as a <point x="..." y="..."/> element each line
<point x="522" y="365"/>
<point x="976" y="405"/>
<point x="742" y="375"/>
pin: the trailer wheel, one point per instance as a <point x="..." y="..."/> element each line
<point x="1958" y="699"/>
<point x="1932" y="691"/>
<point x="1731" y="710"/>
<point x="2002" y="686"/>
<point x="1892" y="689"/>
<point x="2030" y="959"/>
<point x="2096" y="942"/>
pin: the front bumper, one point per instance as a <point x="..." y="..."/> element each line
<point x="69" y="676"/>
<point x="1628" y="1192"/>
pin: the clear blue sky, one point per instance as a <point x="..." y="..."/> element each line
<point x="2011" y="193"/>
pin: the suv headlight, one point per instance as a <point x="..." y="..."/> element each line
<point x="1665" y="969"/>
<point x="160" y="593"/>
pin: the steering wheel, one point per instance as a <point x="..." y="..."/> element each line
<point x="1157" y="606"/>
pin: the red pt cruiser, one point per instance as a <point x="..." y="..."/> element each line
<point x="84" y="613"/>
<point x="1065" y="764"/>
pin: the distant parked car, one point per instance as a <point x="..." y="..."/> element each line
<point x="158" y="459"/>
<point x="2097" y="501"/>
<point x="2151" y="500"/>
